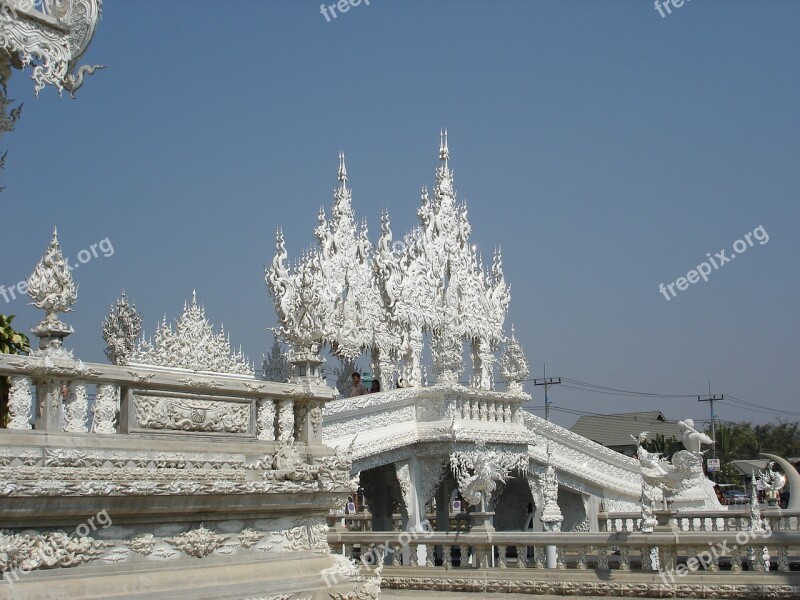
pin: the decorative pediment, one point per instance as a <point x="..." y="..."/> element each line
<point x="193" y="345"/>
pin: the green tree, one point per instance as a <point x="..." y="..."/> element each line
<point x="11" y="342"/>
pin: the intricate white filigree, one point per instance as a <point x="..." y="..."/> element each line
<point x="76" y="408"/>
<point x="142" y="544"/>
<point x="106" y="408"/>
<point x="192" y="345"/>
<point x="190" y="414"/>
<point x="52" y="289"/>
<point x="121" y="329"/>
<point x="52" y="40"/>
<point x="20" y="403"/>
<point x="199" y="542"/>
<point x="265" y="419"/>
<point x="355" y="297"/>
<point x="514" y="365"/>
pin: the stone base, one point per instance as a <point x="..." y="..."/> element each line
<point x="298" y="578"/>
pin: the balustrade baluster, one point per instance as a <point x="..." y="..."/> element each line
<point x="647" y="564"/>
<point x="20" y="402"/>
<point x="106" y="408"/>
<point x="522" y="552"/>
<point x="736" y="559"/>
<point x="602" y="558"/>
<point x="397" y="555"/>
<point x="539" y="557"/>
<point x="625" y="559"/>
<point x="413" y="559"/>
<point x="582" y="558"/>
<point x="783" y="559"/>
<point x="76" y="408"/>
<point x="501" y="557"/>
<point x="447" y="559"/>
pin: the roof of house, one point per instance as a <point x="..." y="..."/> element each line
<point x="616" y="430"/>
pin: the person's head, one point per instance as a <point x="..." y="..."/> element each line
<point x="356" y="378"/>
<point x="376" y="386"/>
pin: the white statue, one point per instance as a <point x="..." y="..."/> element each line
<point x="774" y="482"/>
<point x="693" y="439"/>
<point x="488" y="467"/>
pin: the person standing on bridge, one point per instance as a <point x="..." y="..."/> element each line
<point x="358" y="389"/>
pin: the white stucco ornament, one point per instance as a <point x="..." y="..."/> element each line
<point x="50" y="36"/>
<point x="193" y="345"/>
<point x="353" y="297"/>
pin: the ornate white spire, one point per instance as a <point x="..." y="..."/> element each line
<point x="384" y="299"/>
<point x="192" y="345"/>
<point x="50" y="285"/>
<point x="121" y="328"/>
<point x="514" y="365"/>
<point x="342" y="171"/>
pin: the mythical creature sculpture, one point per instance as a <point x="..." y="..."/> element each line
<point x="774" y="482"/>
<point x="53" y="51"/>
<point x="693" y="440"/>
<point x="657" y="472"/>
<point x="488" y="468"/>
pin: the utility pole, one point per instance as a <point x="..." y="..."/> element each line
<point x="711" y="398"/>
<point x="546" y="382"/>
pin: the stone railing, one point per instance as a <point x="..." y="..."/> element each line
<point x="394" y="418"/>
<point x="664" y="563"/>
<point x="740" y="520"/>
<point x="53" y="395"/>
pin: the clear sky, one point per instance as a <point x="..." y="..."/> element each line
<point x="608" y="149"/>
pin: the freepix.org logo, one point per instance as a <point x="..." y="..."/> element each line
<point x="705" y="268"/>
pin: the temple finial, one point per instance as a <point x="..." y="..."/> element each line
<point x="342" y="171"/>
<point x="444" y="151"/>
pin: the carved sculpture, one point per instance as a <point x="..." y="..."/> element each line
<point x="488" y="467"/>
<point x="121" y="328"/>
<point x="52" y="289"/>
<point x="192" y="345"/>
<point x="354" y="297"/>
<point x="774" y="482"/>
<point x="551" y="513"/>
<point x="513" y="365"/>
<point x="52" y="36"/>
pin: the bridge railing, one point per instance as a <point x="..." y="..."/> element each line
<point x="56" y="396"/>
<point x="774" y="519"/>
<point x="669" y="555"/>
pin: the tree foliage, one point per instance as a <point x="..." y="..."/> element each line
<point x="275" y="366"/>
<point x="745" y="441"/>
<point x="11" y="342"/>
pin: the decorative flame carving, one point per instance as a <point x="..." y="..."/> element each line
<point x="50" y="285"/>
<point x="192" y="345"/>
<point x="52" y="36"/>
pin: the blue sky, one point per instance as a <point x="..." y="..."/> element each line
<point x="607" y="149"/>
